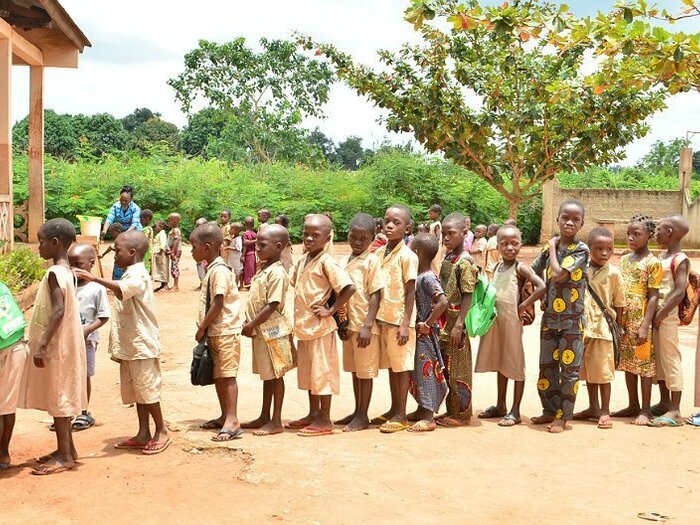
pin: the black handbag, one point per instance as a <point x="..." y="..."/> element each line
<point x="202" y="367"/>
<point x="612" y="324"/>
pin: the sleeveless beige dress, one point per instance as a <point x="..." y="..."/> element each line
<point x="60" y="388"/>
<point x="501" y="348"/>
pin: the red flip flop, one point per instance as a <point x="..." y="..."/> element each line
<point x="154" y="447"/>
<point x="130" y="444"/>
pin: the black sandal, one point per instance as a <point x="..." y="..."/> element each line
<point x="491" y="413"/>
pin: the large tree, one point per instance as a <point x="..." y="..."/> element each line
<point x="265" y="94"/>
<point x="504" y="91"/>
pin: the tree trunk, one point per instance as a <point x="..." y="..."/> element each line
<point x="513" y="206"/>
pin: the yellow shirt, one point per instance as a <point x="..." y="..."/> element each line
<point x="398" y="268"/>
<point x="134" y="333"/>
<point x="365" y="271"/>
<point x="608" y="284"/>
<point x="219" y="280"/>
<point x="269" y="285"/>
<point x="313" y="285"/>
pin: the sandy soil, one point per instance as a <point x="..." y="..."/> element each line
<point x="473" y="474"/>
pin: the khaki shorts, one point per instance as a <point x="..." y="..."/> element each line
<point x="262" y="363"/>
<point x="318" y="366"/>
<point x="397" y="358"/>
<point x="667" y="354"/>
<point x="598" y="365"/>
<point x="226" y="354"/>
<point x="362" y="361"/>
<point x="12" y="362"/>
<point x="140" y="381"/>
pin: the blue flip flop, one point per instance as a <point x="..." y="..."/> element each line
<point x="693" y="420"/>
<point x="659" y="422"/>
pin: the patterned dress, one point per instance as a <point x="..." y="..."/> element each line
<point x="428" y="385"/>
<point x="638" y="277"/>
<point x="458" y="276"/>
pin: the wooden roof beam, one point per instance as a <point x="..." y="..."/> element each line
<point x="21" y="47"/>
<point x="65" y="23"/>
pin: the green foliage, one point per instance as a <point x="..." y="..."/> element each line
<point x="21" y="268"/>
<point x="664" y="157"/>
<point x="202" y="127"/>
<point x="155" y="131"/>
<point x="137" y="117"/>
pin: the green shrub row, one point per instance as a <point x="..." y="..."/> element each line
<point x="21" y="268"/>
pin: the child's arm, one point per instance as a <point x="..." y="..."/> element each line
<point x="263" y="315"/>
<point x="113" y="286"/>
<point x="409" y="290"/>
<point x="439" y="308"/>
<point x="365" y="335"/>
<point x="249" y="242"/>
<point x="217" y="304"/>
<point x="457" y="333"/>
<point x="539" y="288"/>
<point x="95" y="325"/>
<point x="558" y="273"/>
<point x="343" y="297"/>
<point x="57" y="311"/>
<point x="477" y="247"/>
<point x="110" y="249"/>
<point x="680" y="278"/>
<point x="653" y="299"/>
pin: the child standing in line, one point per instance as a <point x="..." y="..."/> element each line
<point x="160" y="257"/>
<point x="642" y="275"/>
<point x="286" y="256"/>
<point x="458" y="276"/>
<point x="115" y="230"/>
<point x="563" y="263"/>
<point x="94" y="314"/>
<point x="361" y="337"/>
<point x="314" y="278"/>
<point x="201" y="265"/>
<point x="249" y="261"/>
<point x="469" y="236"/>
<point x="493" y="255"/>
<point x="134" y="343"/>
<point x="174" y="249"/>
<point x="219" y="323"/>
<point x="598" y="367"/>
<point x="396" y="316"/>
<point x="146" y="218"/>
<point x="267" y="322"/>
<point x="234" y="251"/>
<point x="428" y="385"/>
<point x="379" y="237"/>
<point x="13" y="357"/>
<point x="669" y="367"/>
<point x="478" y="249"/>
<point x="56" y="381"/>
<point x="501" y="348"/>
<point x="264" y="216"/>
<point x="225" y="225"/>
<point x="435" y="228"/>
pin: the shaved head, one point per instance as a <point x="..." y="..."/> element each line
<point x="459" y="220"/>
<point x="320" y="221"/>
<point x="134" y="240"/>
<point x="81" y="250"/>
<point x="508" y="230"/>
<point x="679" y="223"/>
<point x="276" y="233"/>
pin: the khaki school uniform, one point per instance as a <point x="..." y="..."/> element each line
<point x="435" y="229"/>
<point x="398" y="268"/>
<point x="598" y="365"/>
<point x="134" y="339"/>
<point x="269" y="285"/>
<point x="493" y="257"/>
<point x="223" y="335"/>
<point x="365" y="272"/>
<point x="13" y="359"/>
<point x="669" y="365"/>
<point x="317" y="351"/>
<point x="478" y="252"/>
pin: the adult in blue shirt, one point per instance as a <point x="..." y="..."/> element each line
<point x="125" y="212"/>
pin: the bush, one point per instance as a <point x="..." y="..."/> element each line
<point x="21" y="268"/>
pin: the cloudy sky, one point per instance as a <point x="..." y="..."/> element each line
<point x="139" y="44"/>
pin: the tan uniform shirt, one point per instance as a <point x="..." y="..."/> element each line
<point x="134" y="334"/>
<point x="313" y="284"/>
<point x="608" y="284"/>
<point x="398" y="268"/>
<point x="219" y="280"/>
<point x="269" y="285"/>
<point x="478" y="252"/>
<point x="365" y="271"/>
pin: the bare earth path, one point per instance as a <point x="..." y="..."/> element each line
<point x="478" y="474"/>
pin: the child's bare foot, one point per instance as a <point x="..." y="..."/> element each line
<point x="557" y="427"/>
<point x="449" y="421"/>
<point x="414" y="416"/>
<point x="630" y="411"/>
<point x="357" y="423"/>
<point x="605" y="422"/>
<point x="48" y="457"/>
<point x="542" y="420"/>
<point x="659" y="409"/>
<point x="212" y="424"/>
<point x="587" y="415"/>
<point x="298" y="424"/>
<point x="643" y="419"/>
<point x="55" y="465"/>
<point x="256" y="423"/>
<point x="346" y="420"/>
<point x="268" y="429"/>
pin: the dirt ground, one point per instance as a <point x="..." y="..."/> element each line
<point x="482" y="473"/>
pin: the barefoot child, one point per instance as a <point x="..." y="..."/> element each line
<point x="249" y="261"/>
<point x="234" y="253"/>
<point x="267" y="323"/>
<point x="286" y="256"/>
<point x="13" y="358"/>
<point x="160" y="257"/>
<point x="225" y="225"/>
<point x="94" y="314"/>
<point x="146" y="218"/>
<point x="55" y="382"/>
<point x="428" y="385"/>
<point x="219" y="323"/>
<point x="598" y="366"/>
<point x="201" y="265"/>
<point x="642" y="275"/>
<point x="478" y="249"/>
<point x="669" y="368"/>
<point x="174" y="249"/>
<point x="501" y="348"/>
<point x="314" y="278"/>
<point x="134" y="343"/>
<point x="361" y="338"/>
<point x="458" y="275"/>
<point x="563" y="263"/>
<point x="396" y="316"/>
<point x="493" y="256"/>
<point x="264" y="216"/>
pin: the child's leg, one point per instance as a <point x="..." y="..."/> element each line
<point x="264" y="418"/>
<point x="361" y="419"/>
<point x="356" y="393"/>
<point x="548" y="380"/>
<point x="518" y="389"/>
<point x="502" y="390"/>
<point x="227" y="392"/>
<point x="63" y="457"/>
<point x="274" y="425"/>
<point x="593" y="410"/>
<point x="605" y="421"/>
<point x="632" y="409"/>
<point x="143" y="436"/>
<point x="7" y="424"/>
<point x="570" y="357"/>
<point x="645" y="416"/>
<point x="403" y="381"/>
